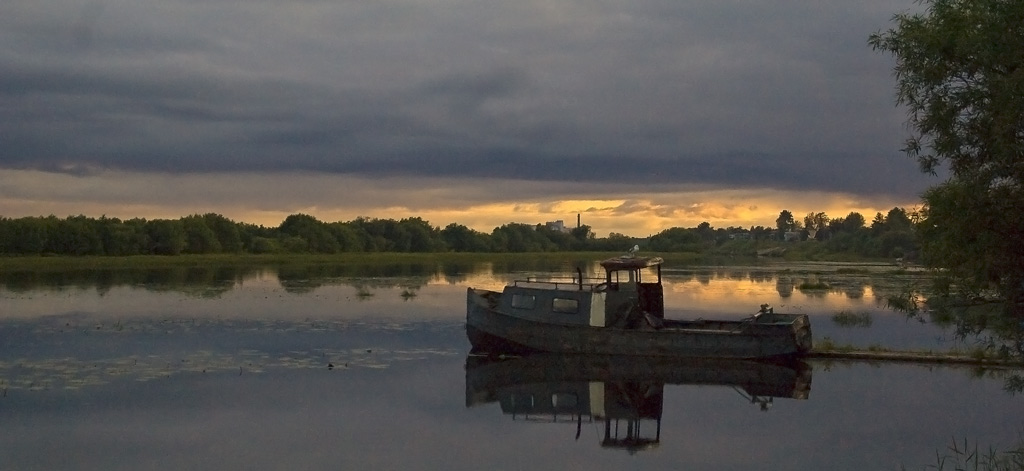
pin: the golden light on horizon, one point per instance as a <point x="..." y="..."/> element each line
<point x="267" y="200"/>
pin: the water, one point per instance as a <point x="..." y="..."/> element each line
<point x="367" y="368"/>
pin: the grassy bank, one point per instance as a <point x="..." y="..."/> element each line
<point x="826" y="349"/>
<point x="951" y="358"/>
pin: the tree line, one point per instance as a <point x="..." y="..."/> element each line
<point x="887" y="236"/>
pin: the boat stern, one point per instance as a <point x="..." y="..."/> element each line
<point x="802" y="334"/>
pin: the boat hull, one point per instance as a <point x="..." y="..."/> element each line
<point x="768" y="336"/>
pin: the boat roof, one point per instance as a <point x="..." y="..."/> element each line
<point x="627" y="262"/>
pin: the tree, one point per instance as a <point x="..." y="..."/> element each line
<point x="518" y="237"/>
<point x="582" y="233"/>
<point x="166" y="237"/>
<point x="299" y="228"/>
<point x="878" y="224"/>
<point x="463" y="239"/>
<point x="853" y="222"/>
<point x="199" y="237"/>
<point x="348" y="236"/>
<point x="960" y="72"/>
<point x="422" y="237"/>
<point x="785" y="222"/>
<point x="898" y="220"/>
<point x="705" y="231"/>
<point x="226" y="231"/>
<point x="815" y="222"/>
<point x="676" y="239"/>
<point x="121" y="238"/>
<point x="951" y="236"/>
<point x="73" y="236"/>
<point x="25" y="236"/>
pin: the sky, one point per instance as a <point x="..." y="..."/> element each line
<point x="636" y="116"/>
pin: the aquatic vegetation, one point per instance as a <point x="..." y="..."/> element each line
<point x="826" y="344"/>
<point x="964" y="456"/>
<point x="74" y="373"/>
<point x="852" y="319"/>
<point x="363" y="292"/>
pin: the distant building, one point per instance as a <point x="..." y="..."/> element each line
<point x="557" y="226"/>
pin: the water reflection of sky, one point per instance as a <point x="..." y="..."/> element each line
<point x="411" y="415"/>
<point x="712" y="292"/>
<point x="736" y="293"/>
<point x="131" y="377"/>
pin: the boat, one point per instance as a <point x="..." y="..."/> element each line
<point x="622" y="313"/>
<point x="624" y="393"/>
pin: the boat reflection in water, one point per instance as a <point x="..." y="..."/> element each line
<point x="625" y="392"/>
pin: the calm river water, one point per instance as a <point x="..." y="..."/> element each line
<point x="367" y="367"/>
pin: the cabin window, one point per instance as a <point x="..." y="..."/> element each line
<point x="524" y="301"/>
<point x="568" y="306"/>
<point x="564" y="400"/>
<point x="522" y="400"/>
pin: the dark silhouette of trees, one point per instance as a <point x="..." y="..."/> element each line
<point x="166" y="237"/>
<point x="303" y="233"/>
<point x="226" y="232"/>
<point x="785" y="222"/>
<point x="960" y="73"/>
<point x="517" y="237"/>
<point x="815" y="223"/>
<point x="199" y="237"/>
<point x="459" y="238"/>
<point x="677" y="239"/>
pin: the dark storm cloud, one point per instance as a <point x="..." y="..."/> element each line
<point x="783" y="95"/>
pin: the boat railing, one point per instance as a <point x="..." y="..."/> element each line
<point x="586" y="284"/>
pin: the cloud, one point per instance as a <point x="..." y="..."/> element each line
<point x="656" y="93"/>
<point x="256" y="198"/>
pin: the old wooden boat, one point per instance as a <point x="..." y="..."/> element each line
<point x="620" y="314"/>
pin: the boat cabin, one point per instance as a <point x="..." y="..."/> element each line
<point x="629" y="281"/>
<point x="629" y="295"/>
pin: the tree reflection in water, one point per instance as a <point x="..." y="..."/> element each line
<point x="986" y="329"/>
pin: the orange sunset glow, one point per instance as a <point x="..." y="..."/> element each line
<point x="485" y="205"/>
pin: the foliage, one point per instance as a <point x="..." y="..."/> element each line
<point x="785" y="221"/>
<point x="960" y="73"/>
<point x="517" y="237"/>
<point x="815" y="222"/>
<point x="460" y="238"/>
<point x="852" y="319"/>
<point x="304" y="234"/>
<point x="963" y="456"/>
<point x="166" y="237"/>
<point x="978" y="238"/>
<point x="676" y="239"/>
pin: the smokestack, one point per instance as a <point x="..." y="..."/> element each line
<point x="577" y="220"/>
